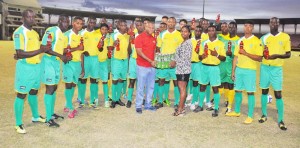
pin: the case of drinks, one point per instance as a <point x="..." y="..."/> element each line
<point x="163" y="60"/>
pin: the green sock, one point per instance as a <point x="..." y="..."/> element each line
<point x="280" y="108"/>
<point x="238" y="101"/>
<point x="53" y="103"/>
<point x="18" y="108"/>
<point x="166" y="90"/>
<point x="69" y="96"/>
<point x="124" y="87"/>
<point x="105" y="92"/>
<point x="93" y="92"/>
<point x="195" y="94"/>
<point x="264" y="102"/>
<point x="217" y="100"/>
<point x="130" y="92"/>
<point x="191" y="87"/>
<point x="251" y="105"/>
<point x="176" y="95"/>
<point x="207" y="93"/>
<point x="201" y="96"/>
<point x="119" y="91"/>
<point x="33" y="103"/>
<point x="155" y="91"/>
<point x="160" y="93"/>
<point x="114" y="92"/>
<point x="81" y="91"/>
<point x="48" y="106"/>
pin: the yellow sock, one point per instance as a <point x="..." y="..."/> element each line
<point x="226" y="94"/>
<point x="230" y="98"/>
<point x="221" y="91"/>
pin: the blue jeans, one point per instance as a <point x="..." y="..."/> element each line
<point x="145" y="80"/>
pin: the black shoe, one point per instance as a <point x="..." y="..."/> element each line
<point x="176" y="108"/>
<point x="212" y="101"/>
<point x="113" y="104"/>
<point x="198" y="109"/>
<point x="210" y="109"/>
<point x="215" y="113"/>
<point x="159" y="105"/>
<point x="226" y="103"/>
<point x="263" y="119"/>
<point x="139" y="111"/>
<point x="109" y="99"/>
<point x="120" y="103"/>
<point x="56" y="116"/>
<point x="52" y="123"/>
<point x="128" y="104"/>
<point x="282" y="126"/>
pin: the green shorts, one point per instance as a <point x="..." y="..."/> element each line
<point x="225" y="72"/>
<point x="167" y="74"/>
<point x="71" y="72"/>
<point x="195" y="74"/>
<point x="132" y="68"/>
<point x="270" y="75"/>
<point x="119" y="69"/>
<point x="28" y="76"/>
<point x="103" y="71"/>
<point x="210" y="75"/>
<point x="109" y="65"/>
<point x="245" y="79"/>
<point x="50" y="70"/>
<point x="91" y="67"/>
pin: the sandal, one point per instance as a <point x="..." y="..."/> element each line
<point x="263" y="119"/>
<point x="177" y="113"/>
<point x="282" y="126"/>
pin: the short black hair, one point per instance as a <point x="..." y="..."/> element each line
<point x="233" y="23"/>
<point x="163" y="23"/>
<point x="92" y="18"/>
<point x="212" y="26"/>
<point x="183" y="20"/>
<point x="121" y="21"/>
<point x="62" y="17"/>
<point x="25" y="12"/>
<point x="77" y="18"/>
<point x="165" y="17"/>
<point x="146" y="19"/>
<point x="249" y="22"/>
<point x="198" y="26"/>
<point x="103" y="25"/>
<point x="172" y="18"/>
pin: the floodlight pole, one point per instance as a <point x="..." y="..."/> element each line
<point x="203" y="9"/>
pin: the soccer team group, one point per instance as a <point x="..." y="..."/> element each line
<point x="107" y="55"/>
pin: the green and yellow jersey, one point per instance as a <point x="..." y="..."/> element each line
<point x="212" y="45"/>
<point x="195" y="55"/>
<point x="169" y="41"/>
<point x="90" y="41"/>
<point x="124" y="42"/>
<point x="73" y="40"/>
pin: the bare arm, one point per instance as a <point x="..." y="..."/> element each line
<point x="140" y="53"/>
<point x="251" y="56"/>
<point x="21" y="54"/>
<point x="233" y="67"/>
<point x="280" y="56"/>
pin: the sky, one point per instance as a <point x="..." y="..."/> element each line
<point x="228" y="9"/>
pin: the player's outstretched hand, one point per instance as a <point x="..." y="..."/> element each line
<point x="64" y="59"/>
<point x="45" y="48"/>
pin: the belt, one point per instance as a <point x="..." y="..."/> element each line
<point x="210" y="65"/>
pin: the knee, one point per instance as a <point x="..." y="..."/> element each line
<point x="82" y="81"/>
<point x="195" y="83"/>
<point x="94" y="81"/>
<point x="265" y="91"/>
<point x="68" y="85"/>
<point x="33" y="92"/>
<point x="202" y="88"/>
<point x="215" y="90"/>
<point x="21" y="96"/>
<point x="278" y="95"/>
<point x="250" y="93"/>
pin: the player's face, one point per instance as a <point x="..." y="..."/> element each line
<point x="77" y="24"/>
<point x="224" y="28"/>
<point x="181" y="24"/>
<point x="248" y="28"/>
<point x="122" y="27"/>
<point x="146" y="23"/>
<point x="198" y="32"/>
<point x="103" y="30"/>
<point x="171" y="23"/>
<point x="211" y="32"/>
<point x="139" y="26"/>
<point x="29" y="18"/>
<point x="274" y="24"/>
<point x="150" y="28"/>
<point x="64" y="23"/>
<point x="232" y="28"/>
<point x="205" y="25"/>
<point x="162" y="27"/>
<point x="164" y="20"/>
<point x="185" y="33"/>
<point x="91" y="24"/>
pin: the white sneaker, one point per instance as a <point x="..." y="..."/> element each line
<point x="106" y="104"/>
<point x="192" y="107"/>
<point x="189" y="97"/>
<point x="196" y="103"/>
<point x="208" y="105"/>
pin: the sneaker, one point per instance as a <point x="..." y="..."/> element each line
<point x="210" y="108"/>
<point x="81" y="105"/>
<point x="66" y="110"/>
<point x="282" y="126"/>
<point x="159" y="105"/>
<point x="94" y="106"/>
<point x="198" y="109"/>
<point x="196" y="103"/>
<point x="228" y="110"/>
<point x="154" y="101"/>
<point x="248" y="120"/>
<point x="39" y="119"/>
<point x="175" y="106"/>
<point x="192" y="107"/>
<point x="189" y="97"/>
<point x="128" y="104"/>
<point x="215" y="113"/>
<point x="263" y="119"/>
<point x="233" y="114"/>
<point x="113" y="104"/>
<point x="72" y="114"/>
<point x="20" y="129"/>
<point x="151" y="108"/>
<point x="167" y="102"/>
<point x="139" y="111"/>
<point x="120" y="103"/>
<point x="52" y="123"/>
<point x="226" y="103"/>
<point x="106" y="104"/>
<point x="208" y="105"/>
<point x="55" y="116"/>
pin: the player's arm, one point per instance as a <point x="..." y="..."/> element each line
<point x="82" y="66"/>
<point x="280" y="56"/>
<point x="21" y="54"/>
<point x="129" y="49"/>
<point x="251" y="56"/>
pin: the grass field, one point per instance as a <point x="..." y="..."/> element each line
<point x="122" y="127"/>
